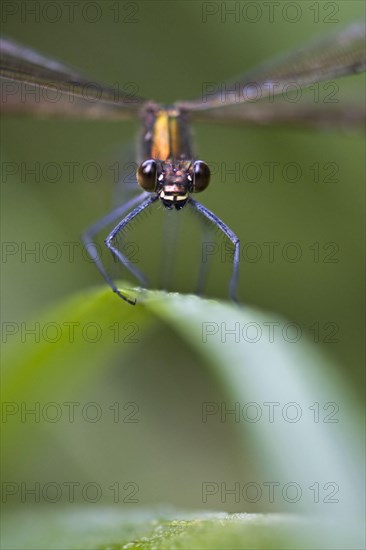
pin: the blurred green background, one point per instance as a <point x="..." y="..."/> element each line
<point x="169" y="52"/>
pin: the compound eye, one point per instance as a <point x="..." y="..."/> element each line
<point x="201" y="176"/>
<point x="146" y="175"/>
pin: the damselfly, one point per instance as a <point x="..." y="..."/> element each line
<point x="168" y="169"/>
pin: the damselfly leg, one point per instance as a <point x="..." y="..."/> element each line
<point x="93" y="230"/>
<point x="231" y="236"/>
<point x="109" y="242"/>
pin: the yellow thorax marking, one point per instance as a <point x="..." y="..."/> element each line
<point x="166" y="139"/>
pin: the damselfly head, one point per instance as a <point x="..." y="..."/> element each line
<point x="173" y="181"/>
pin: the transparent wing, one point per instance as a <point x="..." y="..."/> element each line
<point x="339" y="54"/>
<point x="344" y="115"/>
<point x="33" y="84"/>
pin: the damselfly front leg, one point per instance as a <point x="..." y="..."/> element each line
<point x="231" y="236"/>
<point x="90" y="245"/>
<point x="109" y="241"/>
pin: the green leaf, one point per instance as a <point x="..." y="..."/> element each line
<point x="251" y="367"/>
<point x="107" y="529"/>
<point x="237" y="532"/>
<point x="66" y="355"/>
